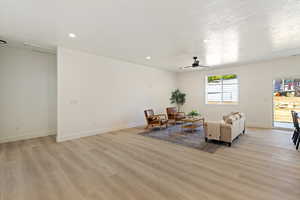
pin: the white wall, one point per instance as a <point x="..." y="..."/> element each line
<point x="256" y="84"/>
<point x="28" y="94"/>
<point x="98" y="94"/>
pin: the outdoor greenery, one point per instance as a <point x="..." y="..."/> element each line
<point x="193" y="113"/>
<point x="224" y="77"/>
<point x="178" y="98"/>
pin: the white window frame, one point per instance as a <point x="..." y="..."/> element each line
<point x="222" y="102"/>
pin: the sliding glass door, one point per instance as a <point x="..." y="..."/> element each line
<point x="286" y="97"/>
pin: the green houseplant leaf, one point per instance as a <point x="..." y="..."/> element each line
<point x="178" y="98"/>
<point x="193" y="113"/>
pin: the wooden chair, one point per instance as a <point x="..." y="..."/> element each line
<point x="296" y="135"/>
<point x="174" y="115"/>
<point x="155" y="120"/>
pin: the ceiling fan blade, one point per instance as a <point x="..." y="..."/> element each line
<point x="194" y="67"/>
<point x="203" y="66"/>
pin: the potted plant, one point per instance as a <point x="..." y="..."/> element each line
<point x="178" y="98"/>
<point x="193" y="114"/>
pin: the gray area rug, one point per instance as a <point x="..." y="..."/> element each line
<point x="187" y="138"/>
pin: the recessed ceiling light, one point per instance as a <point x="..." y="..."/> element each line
<point x="205" y="41"/>
<point x="72" y="35"/>
<point x="148" y="57"/>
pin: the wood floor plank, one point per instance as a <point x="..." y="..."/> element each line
<point x="211" y="175"/>
<point x="262" y="164"/>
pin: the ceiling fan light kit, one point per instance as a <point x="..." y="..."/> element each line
<point x="195" y="64"/>
<point x="3" y="43"/>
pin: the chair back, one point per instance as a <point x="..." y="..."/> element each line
<point x="295" y="120"/>
<point x="171" y="111"/>
<point x="148" y="114"/>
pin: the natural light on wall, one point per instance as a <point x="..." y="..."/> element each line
<point x="284" y="29"/>
<point x="222" y="47"/>
<point x="222" y="89"/>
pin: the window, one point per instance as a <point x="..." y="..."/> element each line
<point x="223" y="89"/>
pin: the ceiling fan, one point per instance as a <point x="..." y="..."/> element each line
<point x="195" y="64"/>
<point x="3" y="43"/>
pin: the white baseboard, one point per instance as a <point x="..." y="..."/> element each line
<point x="258" y="125"/>
<point x="87" y="133"/>
<point x="29" y="135"/>
<point x="77" y="135"/>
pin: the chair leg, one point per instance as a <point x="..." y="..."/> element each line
<point x="295" y="137"/>
<point x="298" y="141"/>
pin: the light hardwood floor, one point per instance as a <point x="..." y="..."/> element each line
<point x="123" y="165"/>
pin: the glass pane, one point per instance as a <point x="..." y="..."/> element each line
<point x="230" y="97"/>
<point x="214" y="97"/>
<point x="229" y="76"/>
<point x="286" y="98"/>
<point x="224" y="86"/>
<point x="230" y="81"/>
<point x="214" y="79"/>
<point x="230" y="93"/>
<point x="214" y="88"/>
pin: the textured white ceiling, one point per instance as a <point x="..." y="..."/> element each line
<point x="171" y="32"/>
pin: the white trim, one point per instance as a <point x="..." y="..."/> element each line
<point x="273" y="109"/>
<point x="87" y="133"/>
<point x="77" y="135"/>
<point x="257" y="125"/>
<point x="282" y="129"/>
<point x="26" y="136"/>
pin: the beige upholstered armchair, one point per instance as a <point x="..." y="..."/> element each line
<point x="226" y="130"/>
